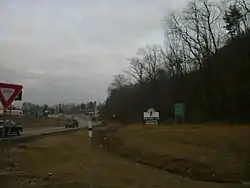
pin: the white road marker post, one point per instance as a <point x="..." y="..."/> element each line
<point x="90" y="129"/>
<point x="3" y="131"/>
<point x="90" y="151"/>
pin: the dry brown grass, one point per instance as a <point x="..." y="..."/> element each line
<point x="67" y="157"/>
<point x="211" y="153"/>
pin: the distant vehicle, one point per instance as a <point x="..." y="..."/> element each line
<point x="72" y="124"/>
<point x="94" y="115"/>
<point x="14" y="128"/>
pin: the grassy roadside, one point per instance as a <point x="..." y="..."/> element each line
<point x="207" y="153"/>
<point x="67" y="158"/>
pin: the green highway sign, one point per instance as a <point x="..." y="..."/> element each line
<point x="179" y="109"/>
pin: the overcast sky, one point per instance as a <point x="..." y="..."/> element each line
<point x="69" y="50"/>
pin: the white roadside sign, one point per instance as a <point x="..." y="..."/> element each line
<point x="7" y="93"/>
<point x="151" y="116"/>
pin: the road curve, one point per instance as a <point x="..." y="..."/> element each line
<point x="83" y="123"/>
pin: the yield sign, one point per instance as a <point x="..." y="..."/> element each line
<point x="8" y="93"/>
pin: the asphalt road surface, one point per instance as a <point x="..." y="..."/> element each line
<point x="83" y="123"/>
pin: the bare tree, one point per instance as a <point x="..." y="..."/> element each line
<point x="245" y="11"/>
<point x="198" y="29"/>
<point x="176" y="55"/>
<point x="167" y="65"/>
<point x="119" y="81"/>
<point x="211" y="16"/>
<point x="151" y="61"/>
<point x="178" y="28"/>
<point x="136" y="69"/>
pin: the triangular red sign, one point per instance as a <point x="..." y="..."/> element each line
<point x="8" y="93"/>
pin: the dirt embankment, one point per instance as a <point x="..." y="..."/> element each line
<point x="210" y="161"/>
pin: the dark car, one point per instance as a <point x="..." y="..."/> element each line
<point x="11" y="126"/>
<point x="72" y="124"/>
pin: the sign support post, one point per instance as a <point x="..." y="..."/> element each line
<point x="3" y="131"/>
<point x="179" y="112"/>
<point x="9" y="132"/>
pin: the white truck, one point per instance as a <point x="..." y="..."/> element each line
<point x="12" y="112"/>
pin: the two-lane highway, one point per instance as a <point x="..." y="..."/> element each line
<point x="83" y="123"/>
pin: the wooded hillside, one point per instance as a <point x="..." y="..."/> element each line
<point x="204" y="62"/>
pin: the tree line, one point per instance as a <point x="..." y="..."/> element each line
<point x="64" y="108"/>
<point x="201" y="62"/>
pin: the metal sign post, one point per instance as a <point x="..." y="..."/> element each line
<point x="3" y="131"/>
<point x="9" y="132"/>
<point x="90" y="151"/>
<point x="179" y="112"/>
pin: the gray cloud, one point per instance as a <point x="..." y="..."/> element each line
<point x="68" y="51"/>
